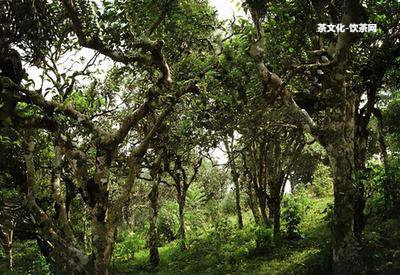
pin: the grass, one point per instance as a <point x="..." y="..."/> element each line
<point x="309" y="255"/>
<point x="223" y="249"/>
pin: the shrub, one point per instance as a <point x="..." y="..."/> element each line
<point x="263" y="237"/>
<point x="222" y="230"/>
<point x="294" y="210"/>
<point x="126" y="246"/>
<point x="168" y="222"/>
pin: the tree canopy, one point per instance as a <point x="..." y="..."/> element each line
<point x="134" y="125"/>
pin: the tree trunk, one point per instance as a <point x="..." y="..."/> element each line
<point x="9" y="254"/>
<point x="275" y="210"/>
<point x="7" y="243"/>
<point x="153" y="234"/>
<point x="181" y="203"/>
<point x="102" y="245"/>
<point x="67" y="257"/>
<point x="344" y="244"/>
<point x="103" y="234"/>
<point x="340" y="149"/>
<point x="59" y="202"/>
<point x="361" y="135"/>
<point x="262" y="201"/>
<point x="253" y="206"/>
<point x="237" y="197"/>
<point x="276" y="187"/>
<point x="235" y="179"/>
<point x="103" y="228"/>
<point x="337" y="135"/>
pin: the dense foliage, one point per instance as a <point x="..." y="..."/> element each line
<point x="150" y="136"/>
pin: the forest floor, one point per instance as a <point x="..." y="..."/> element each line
<point x="221" y="248"/>
<point x="231" y="255"/>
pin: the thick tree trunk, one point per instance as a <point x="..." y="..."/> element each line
<point x="67" y="257"/>
<point x="338" y="137"/>
<point x="103" y="229"/>
<point x="345" y="250"/>
<point x="153" y="234"/>
<point x="340" y="149"/>
<point x="102" y="245"/>
<point x="103" y="236"/>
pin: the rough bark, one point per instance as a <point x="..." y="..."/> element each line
<point x="345" y="250"/>
<point x="340" y="149"/>
<point x="59" y="203"/>
<point x="102" y="245"/>
<point x="340" y="126"/>
<point x="69" y="258"/>
<point x="103" y="230"/>
<point x="153" y="234"/>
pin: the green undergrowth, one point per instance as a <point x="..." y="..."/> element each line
<point x="224" y="249"/>
<point x="381" y="250"/>
<point x="26" y="259"/>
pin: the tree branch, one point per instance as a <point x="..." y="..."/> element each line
<point x="62" y="249"/>
<point x="93" y="42"/>
<point x="50" y="106"/>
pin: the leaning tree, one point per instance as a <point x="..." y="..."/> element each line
<point x="91" y="127"/>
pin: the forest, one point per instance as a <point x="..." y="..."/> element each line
<point x="158" y="137"/>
